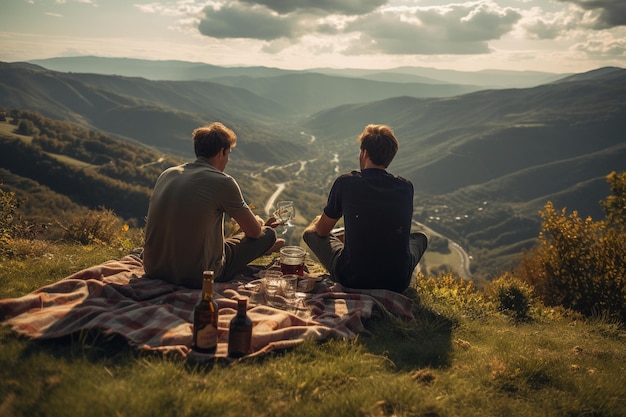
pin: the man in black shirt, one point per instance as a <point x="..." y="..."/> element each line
<point x="378" y="250"/>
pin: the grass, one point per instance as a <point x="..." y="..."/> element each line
<point x="8" y="129"/>
<point x="461" y="357"/>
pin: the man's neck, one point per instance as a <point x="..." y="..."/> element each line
<point x="370" y="165"/>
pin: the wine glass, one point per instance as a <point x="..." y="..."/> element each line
<point x="285" y="213"/>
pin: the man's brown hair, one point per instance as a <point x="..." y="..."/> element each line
<point x="209" y="140"/>
<point x="380" y="143"/>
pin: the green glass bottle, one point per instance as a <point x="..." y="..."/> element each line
<point x="205" y="318"/>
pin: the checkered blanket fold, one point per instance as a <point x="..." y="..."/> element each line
<point x="157" y="316"/>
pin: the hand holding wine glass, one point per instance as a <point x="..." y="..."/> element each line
<point x="285" y="212"/>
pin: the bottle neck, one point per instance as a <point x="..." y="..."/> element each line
<point x="242" y="306"/>
<point x="207" y="289"/>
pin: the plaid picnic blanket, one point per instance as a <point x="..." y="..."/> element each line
<point x="157" y="316"/>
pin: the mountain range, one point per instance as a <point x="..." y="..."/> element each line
<point x="483" y="160"/>
<point x="198" y="71"/>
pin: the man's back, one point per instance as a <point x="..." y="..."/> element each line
<point x="377" y="208"/>
<point x="184" y="234"/>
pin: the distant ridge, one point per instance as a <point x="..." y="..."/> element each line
<point x="190" y="71"/>
<point x="606" y="73"/>
<point x="172" y="70"/>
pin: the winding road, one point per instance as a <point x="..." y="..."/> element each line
<point x="464" y="259"/>
<point x="270" y="201"/>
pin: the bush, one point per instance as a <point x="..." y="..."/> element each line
<point x="17" y="233"/>
<point x="511" y="295"/>
<point x="615" y="205"/>
<point x="30" y="248"/>
<point x="579" y="264"/>
<point x="100" y="227"/>
<point x="8" y="209"/>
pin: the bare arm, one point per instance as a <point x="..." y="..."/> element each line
<point x="322" y="225"/>
<point x="250" y="223"/>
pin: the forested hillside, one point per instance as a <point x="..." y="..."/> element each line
<point x="86" y="167"/>
<point x="158" y="114"/>
<point x="58" y="169"/>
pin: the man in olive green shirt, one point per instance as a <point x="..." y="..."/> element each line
<point x="185" y="224"/>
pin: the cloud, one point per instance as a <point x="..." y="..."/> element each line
<point x="345" y="7"/>
<point x="180" y="8"/>
<point x="605" y="13"/>
<point x="541" y="25"/>
<point x="453" y="29"/>
<point x="235" y="21"/>
<point x="603" y="46"/>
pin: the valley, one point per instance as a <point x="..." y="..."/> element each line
<point x="298" y="174"/>
<point x="483" y="161"/>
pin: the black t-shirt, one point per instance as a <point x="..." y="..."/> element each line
<point x="377" y="208"/>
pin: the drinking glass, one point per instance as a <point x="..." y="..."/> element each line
<point x="272" y="281"/>
<point x="288" y="288"/>
<point x="292" y="260"/>
<point x="285" y="212"/>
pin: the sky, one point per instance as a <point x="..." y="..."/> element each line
<point x="560" y="36"/>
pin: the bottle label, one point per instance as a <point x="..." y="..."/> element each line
<point x="206" y="337"/>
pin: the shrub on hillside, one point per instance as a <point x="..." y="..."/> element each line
<point x="8" y="208"/>
<point x="511" y="295"/>
<point x="580" y="263"/>
<point x="14" y="229"/>
<point x="615" y="205"/>
<point x="100" y="226"/>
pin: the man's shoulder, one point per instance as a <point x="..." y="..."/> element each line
<point x="349" y="175"/>
<point x="402" y="179"/>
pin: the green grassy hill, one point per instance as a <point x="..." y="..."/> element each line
<point x="463" y="356"/>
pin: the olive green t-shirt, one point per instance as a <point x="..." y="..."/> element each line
<point x="185" y="223"/>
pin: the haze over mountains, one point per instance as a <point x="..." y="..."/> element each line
<point x="483" y="160"/>
<point x="197" y="71"/>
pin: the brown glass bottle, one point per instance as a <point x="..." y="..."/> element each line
<point x="205" y="318"/>
<point x="240" y="332"/>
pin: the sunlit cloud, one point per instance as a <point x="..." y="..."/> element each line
<point x="538" y="24"/>
<point x="178" y="8"/>
<point x="603" y="45"/>
<point x="345" y="7"/>
<point x="235" y="21"/>
<point x="604" y="13"/>
<point x="454" y="29"/>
